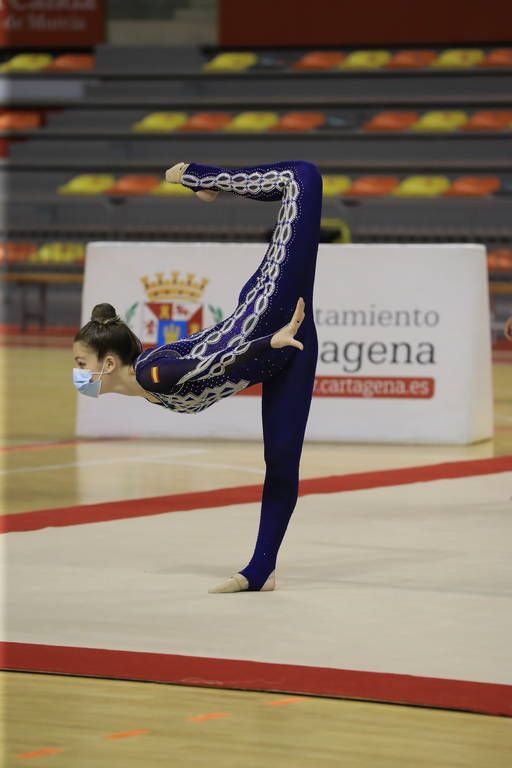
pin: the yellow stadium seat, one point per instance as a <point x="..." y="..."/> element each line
<point x="59" y="253"/>
<point x="422" y="186"/>
<point x="174" y="190"/>
<point x="253" y="121"/>
<point x="334" y="185"/>
<point x="161" y="122"/>
<point x="459" y="58"/>
<point x="232" y="62"/>
<point x="445" y="120"/>
<point x="27" y="62"/>
<point x="366" y="60"/>
<point x="87" y="184"/>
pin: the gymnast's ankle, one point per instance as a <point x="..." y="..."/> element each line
<point x="174" y="175"/>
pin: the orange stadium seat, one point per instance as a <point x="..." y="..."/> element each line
<point x="320" y="60"/>
<point x="300" y="121"/>
<point x="422" y="186"/>
<point x="12" y="120"/>
<point x="498" y="57"/>
<point x="500" y="260"/>
<point x="335" y="185"/>
<point x="16" y="252"/>
<point x="207" y="121"/>
<point x="71" y="62"/>
<point x="412" y="59"/>
<point x="459" y="58"/>
<point x="473" y="186"/>
<point x="445" y="120"/>
<point x="254" y="122"/>
<point x="374" y="186"/>
<point x="231" y="62"/>
<point x="133" y="185"/>
<point x="391" y="121"/>
<point x="489" y="120"/>
<point x="366" y="60"/>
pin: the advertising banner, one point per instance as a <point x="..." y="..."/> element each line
<point x="51" y="23"/>
<point x="403" y="330"/>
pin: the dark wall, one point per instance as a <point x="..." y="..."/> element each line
<point x="363" y="22"/>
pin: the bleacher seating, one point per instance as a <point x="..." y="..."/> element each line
<point x="408" y="140"/>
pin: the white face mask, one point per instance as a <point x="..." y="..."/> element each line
<point x="82" y="381"/>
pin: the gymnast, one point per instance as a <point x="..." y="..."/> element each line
<point x="258" y="342"/>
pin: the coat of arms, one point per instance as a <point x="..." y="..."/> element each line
<point x="173" y="310"/>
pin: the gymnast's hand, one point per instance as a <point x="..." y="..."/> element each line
<point x="508" y="328"/>
<point x="285" y="335"/>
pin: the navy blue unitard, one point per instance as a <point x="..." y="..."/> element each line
<point x="191" y="374"/>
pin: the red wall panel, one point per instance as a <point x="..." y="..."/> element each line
<point x="283" y="23"/>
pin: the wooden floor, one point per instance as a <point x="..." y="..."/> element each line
<point x="74" y="722"/>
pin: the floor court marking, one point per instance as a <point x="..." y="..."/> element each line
<point x="208" y="716"/>
<point x="237" y="674"/>
<point x="62" y="443"/>
<point x="245" y="494"/>
<point x="127" y="734"/>
<point x="98" y="462"/>
<point x="39" y="753"/>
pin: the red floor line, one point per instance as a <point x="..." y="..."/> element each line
<point x="221" y="497"/>
<point x="488" y="698"/>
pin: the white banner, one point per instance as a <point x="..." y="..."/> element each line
<point x="404" y="338"/>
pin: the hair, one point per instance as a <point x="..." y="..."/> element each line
<point x="106" y="332"/>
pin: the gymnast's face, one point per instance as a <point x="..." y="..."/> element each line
<point x="87" y="359"/>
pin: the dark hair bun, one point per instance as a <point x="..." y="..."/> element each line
<point x="104" y="314"/>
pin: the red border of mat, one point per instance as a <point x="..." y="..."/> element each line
<point x="488" y="698"/>
<point x="221" y="497"/>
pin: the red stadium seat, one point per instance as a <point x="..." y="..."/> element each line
<point x="374" y="186"/>
<point x="320" y="60"/>
<point x="391" y="121"/>
<point x="4" y="148"/>
<point x="473" y="186"/>
<point x="14" y="252"/>
<point x="412" y="59"/>
<point x="489" y="120"/>
<point x="207" y="121"/>
<point x="500" y="260"/>
<point x="133" y="185"/>
<point x="71" y="62"/>
<point x="498" y="57"/>
<point x="300" y="121"/>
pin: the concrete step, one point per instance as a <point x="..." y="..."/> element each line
<point x="142" y="32"/>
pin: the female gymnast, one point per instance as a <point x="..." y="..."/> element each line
<point x="256" y="343"/>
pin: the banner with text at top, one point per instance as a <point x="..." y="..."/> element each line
<point x="403" y="330"/>
<point x="51" y="23"/>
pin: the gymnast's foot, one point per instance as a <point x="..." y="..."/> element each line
<point x="238" y="583"/>
<point x="174" y="175"/>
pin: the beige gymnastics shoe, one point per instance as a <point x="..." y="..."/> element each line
<point x="238" y="583"/>
<point x="174" y="175"/>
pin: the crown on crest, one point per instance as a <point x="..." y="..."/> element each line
<point x="174" y="287"/>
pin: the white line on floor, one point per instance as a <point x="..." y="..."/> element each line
<point x="99" y="462"/>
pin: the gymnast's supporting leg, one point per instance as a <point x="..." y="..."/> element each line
<point x="287" y="395"/>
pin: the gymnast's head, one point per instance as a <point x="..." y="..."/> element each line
<point x="104" y="352"/>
